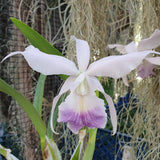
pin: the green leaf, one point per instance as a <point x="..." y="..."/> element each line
<point x="37" y="102"/>
<point x="27" y="107"/>
<point x="88" y="154"/>
<point x="75" y="155"/>
<point x="3" y="151"/>
<point x="49" y="131"/>
<point x="38" y="97"/>
<point x="63" y="77"/>
<point x="35" y="38"/>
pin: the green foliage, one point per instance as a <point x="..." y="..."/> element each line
<point x="26" y="105"/>
<point x="75" y="155"/>
<point x="2" y="151"/>
<point x="38" y="97"/>
<point x="88" y="154"/>
<point x="37" y="103"/>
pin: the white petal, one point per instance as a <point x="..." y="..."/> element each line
<point x="66" y="86"/>
<point x="117" y="66"/>
<point x="47" y="64"/>
<point x="11" y="54"/>
<point x="150" y="43"/>
<point x="120" y="48"/>
<point x="83" y="111"/>
<point x="153" y="60"/>
<point x="112" y="111"/>
<point x="77" y="81"/>
<point x="83" y="53"/>
<point x="55" y="100"/>
<point x="131" y="47"/>
<point x="96" y="85"/>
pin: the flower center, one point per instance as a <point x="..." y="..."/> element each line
<point x="83" y="88"/>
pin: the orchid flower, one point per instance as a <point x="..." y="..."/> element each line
<point x="149" y="62"/>
<point x="82" y="108"/>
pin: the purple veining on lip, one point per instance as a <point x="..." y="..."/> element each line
<point x="145" y="71"/>
<point x="96" y="118"/>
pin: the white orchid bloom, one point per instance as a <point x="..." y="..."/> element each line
<point x="149" y="62"/>
<point x="82" y="108"/>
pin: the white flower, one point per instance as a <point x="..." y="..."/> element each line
<point x="149" y="62"/>
<point x="82" y="108"/>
